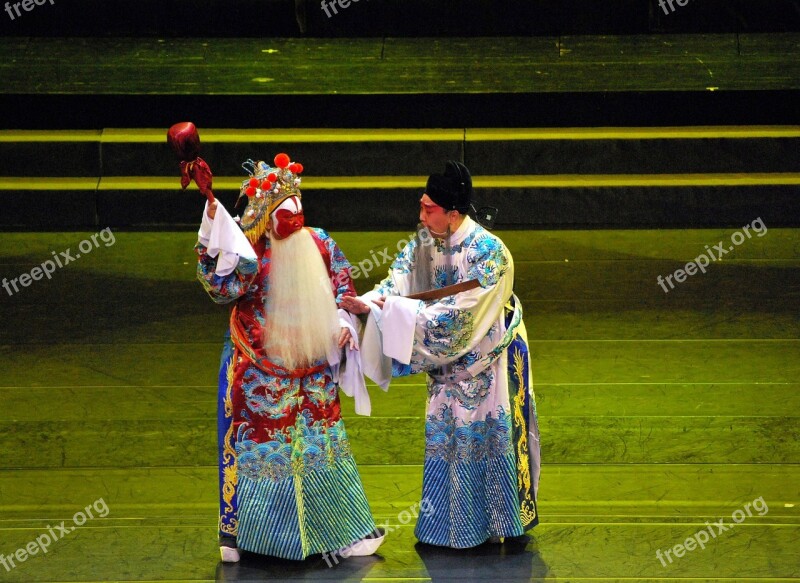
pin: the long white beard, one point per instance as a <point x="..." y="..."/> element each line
<point x="302" y="322"/>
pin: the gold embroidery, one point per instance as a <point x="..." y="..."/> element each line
<point x="298" y="466"/>
<point x="229" y="457"/>
<point x="231" y="529"/>
<point x="527" y="507"/>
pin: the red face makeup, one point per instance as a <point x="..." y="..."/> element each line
<point x="432" y="216"/>
<point x="288" y="218"/>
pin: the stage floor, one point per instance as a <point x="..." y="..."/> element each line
<point x="664" y="414"/>
<point x="567" y="81"/>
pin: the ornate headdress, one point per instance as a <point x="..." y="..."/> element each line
<point x="267" y="188"/>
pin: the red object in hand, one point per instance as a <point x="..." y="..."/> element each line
<point x="185" y="142"/>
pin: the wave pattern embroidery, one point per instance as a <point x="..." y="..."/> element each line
<point x="454" y="440"/>
<point x="300" y="450"/>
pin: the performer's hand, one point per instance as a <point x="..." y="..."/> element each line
<point x="212" y="209"/>
<point x="345" y="337"/>
<point x="353" y="305"/>
<point x="380" y="302"/>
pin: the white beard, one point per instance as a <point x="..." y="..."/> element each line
<point x="301" y="317"/>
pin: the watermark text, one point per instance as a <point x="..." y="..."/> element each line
<point x="54" y="533"/>
<point x="671" y="3"/>
<point x="13" y="8"/>
<point x="704" y="259"/>
<point x="712" y="530"/>
<point x="404" y="517"/>
<point x="62" y="259"/>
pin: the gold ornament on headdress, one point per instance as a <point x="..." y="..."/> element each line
<point x="267" y="188"/>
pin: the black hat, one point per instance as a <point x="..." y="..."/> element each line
<point x="453" y="189"/>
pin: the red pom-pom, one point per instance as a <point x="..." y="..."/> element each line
<point x="281" y="160"/>
<point x="266" y="185"/>
<point x="253" y="181"/>
<point x="250" y="191"/>
<point x="299" y="169"/>
<point x="272" y="177"/>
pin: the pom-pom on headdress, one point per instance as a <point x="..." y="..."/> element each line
<point x="267" y="188"/>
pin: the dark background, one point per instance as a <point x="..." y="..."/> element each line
<point x="377" y="18"/>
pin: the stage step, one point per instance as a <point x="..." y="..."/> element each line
<point x="403" y="152"/>
<point x="372" y="179"/>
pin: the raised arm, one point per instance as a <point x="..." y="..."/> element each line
<point x="226" y="262"/>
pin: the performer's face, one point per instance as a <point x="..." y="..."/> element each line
<point x="433" y="217"/>
<point x="287" y="218"/>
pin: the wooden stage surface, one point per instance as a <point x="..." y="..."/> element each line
<point x="297" y="66"/>
<point x="660" y="413"/>
<point x="663" y="79"/>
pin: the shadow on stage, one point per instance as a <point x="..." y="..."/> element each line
<point x="512" y="562"/>
<point x="260" y="568"/>
<point x="515" y="561"/>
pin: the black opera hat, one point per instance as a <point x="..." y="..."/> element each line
<point x="453" y="189"/>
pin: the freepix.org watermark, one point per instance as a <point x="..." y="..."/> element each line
<point x="54" y="533"/>
<point x="13" y="8"/>
<point x="704" y="259"/>
<point x="663" y="4"/>
<point x="404" y="517"/>
<point x="712" y="530"/>
<point x="63" y="258"/>
<point x="330" y="5"/>
<point x="366" y="266"/>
